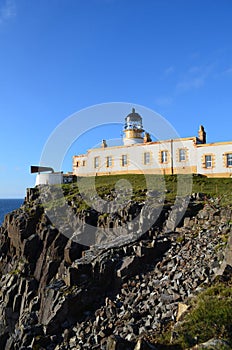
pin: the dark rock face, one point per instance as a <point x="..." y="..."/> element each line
<point x="58" y="294"/>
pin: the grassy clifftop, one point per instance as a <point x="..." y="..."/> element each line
<point x="171" y="186"/>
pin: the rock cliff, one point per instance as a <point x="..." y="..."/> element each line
<point x="56" y="293"/>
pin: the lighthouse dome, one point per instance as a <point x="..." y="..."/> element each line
<point x="133" y="120"/>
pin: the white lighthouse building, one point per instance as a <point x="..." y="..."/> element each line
<point x="139" y="154"/>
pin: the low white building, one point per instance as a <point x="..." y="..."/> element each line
<point x="139" y="154"/>
<point x="49" y="178"/>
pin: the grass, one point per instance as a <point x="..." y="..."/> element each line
<point x="172" y="186"/>
<point x="15" y="272"/>
<point x="220" y="188"/>
<point x="136" y="186"/>
<point x="210" y="317"/>
<point x="180" y="239"/>
<point x="214" y="187"/>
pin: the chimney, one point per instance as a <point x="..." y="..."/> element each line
<point x="104" y="144"/>
<point x="147" y="137"/>
<point x="202" y="134"/>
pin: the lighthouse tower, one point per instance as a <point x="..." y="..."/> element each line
<point x="133" y="130"/>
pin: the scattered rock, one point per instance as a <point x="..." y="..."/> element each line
<point x="213" y="344"/>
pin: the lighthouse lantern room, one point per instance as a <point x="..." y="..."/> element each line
<point x="133" y="130"/>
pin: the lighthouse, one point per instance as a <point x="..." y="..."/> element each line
<point x="133" y="129"/>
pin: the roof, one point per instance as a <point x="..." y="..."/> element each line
<point x="133" y="116"/>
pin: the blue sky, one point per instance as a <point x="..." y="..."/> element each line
<point x="60" y="56"/>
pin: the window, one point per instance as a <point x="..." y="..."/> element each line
<point x="108" y="161"/>
<point x="84" y="163"/>
<point x="124" y="160"/>
<point x="146" y="157"/>
<point x="182" y="156"/>
<point x="164" y="156"/>
<point x="77" y="164"/>
<point x="208" y="161"/>
<point x="229" y="160"/>
<point x="96" y="162"/>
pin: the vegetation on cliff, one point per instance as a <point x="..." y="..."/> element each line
<point x="208" y="317"/>
<point x="220" y="188"/>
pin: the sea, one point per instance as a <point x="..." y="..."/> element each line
<point x="7" y="205"/>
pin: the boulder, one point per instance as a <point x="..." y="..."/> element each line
<point x="115" y="342"/>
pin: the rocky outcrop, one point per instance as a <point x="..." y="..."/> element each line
<point x="59" y="294"/>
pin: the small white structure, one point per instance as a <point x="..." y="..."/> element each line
<point x="140" y="155"/>
<point x="49" y="178"/>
